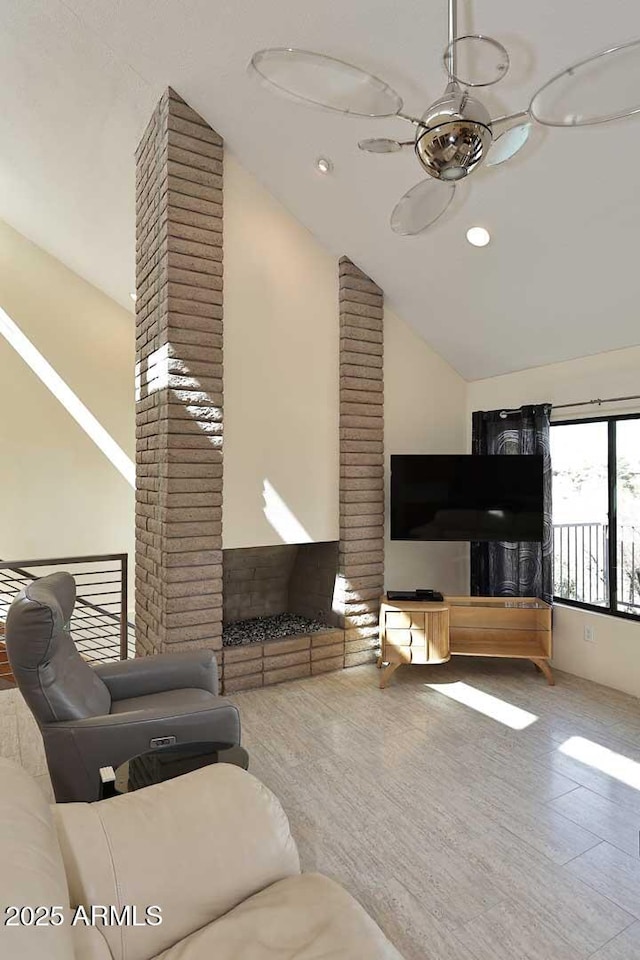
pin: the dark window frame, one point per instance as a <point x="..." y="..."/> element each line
<point x="612" y="484"/>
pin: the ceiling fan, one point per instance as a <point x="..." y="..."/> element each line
<point x="456" y="134"/>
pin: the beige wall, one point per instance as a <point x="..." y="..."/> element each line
<point x="280" y="372"/>
<point x="281" y="389"/>
<point x="613" y="657"/>
<point x="425" y="412"/>
<point x="611" y="374"/>
<point x="59" y="495"/>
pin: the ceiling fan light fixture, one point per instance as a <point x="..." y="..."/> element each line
<point x="453" y="150"/>
<point x="454" y="135"/>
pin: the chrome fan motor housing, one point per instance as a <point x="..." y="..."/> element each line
<point x="454" y="135"/>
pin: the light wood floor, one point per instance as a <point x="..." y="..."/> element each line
<point x="508" y="836"/>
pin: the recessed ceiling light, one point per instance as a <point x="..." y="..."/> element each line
<point x="134" y="296"/>
<point x="478" y="236"/>
<point x="324" y="165"/>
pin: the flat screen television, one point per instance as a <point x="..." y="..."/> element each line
<point x="466" y="497"/>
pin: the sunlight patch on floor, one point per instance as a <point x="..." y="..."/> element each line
<point x="500" y="710"/>
<point x="594" y="755"/>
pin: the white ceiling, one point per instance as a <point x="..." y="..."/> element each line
<point x="79" y="78"/>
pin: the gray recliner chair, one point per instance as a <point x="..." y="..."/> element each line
<point x="96" y="717"/>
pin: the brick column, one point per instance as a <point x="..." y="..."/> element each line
<point x="361" y="552"/>
<point x="178" y="382"/>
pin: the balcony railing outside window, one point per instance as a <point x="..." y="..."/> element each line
<point x="581" y="564"/>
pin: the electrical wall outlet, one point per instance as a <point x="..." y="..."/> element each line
<point x="589" y="635"/>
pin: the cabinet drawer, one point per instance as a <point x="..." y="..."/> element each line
<point x="404" y="619"/>
<point x="405" y="654"/>
<point x="405" y="638"/>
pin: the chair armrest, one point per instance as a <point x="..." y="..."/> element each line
<point x="128" y="718"/>
<point x="196" y="846"/>
<point x="76" y="749"/>
<point x="166" y="671"/>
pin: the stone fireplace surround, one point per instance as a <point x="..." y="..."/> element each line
<point x="290" y="582"/>
<point x="186" y="585"/>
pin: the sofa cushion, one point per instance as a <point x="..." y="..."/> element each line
<point x="89" y="943"/>
<point x="31" y="868"/>
<point x="196" y="846"/>
<point x="308" y="917"/>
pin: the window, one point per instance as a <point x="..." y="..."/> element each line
<point x="596" y="513"/>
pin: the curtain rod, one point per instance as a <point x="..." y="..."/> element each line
<point x="581" y="403"/>
<point x="598" y="401"/>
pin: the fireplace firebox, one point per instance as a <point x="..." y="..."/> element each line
<point x="278" y="614"/>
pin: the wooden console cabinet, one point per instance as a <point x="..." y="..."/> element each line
<point x="415" y="631"/>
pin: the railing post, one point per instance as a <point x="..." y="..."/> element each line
<point x="124" y="607"/>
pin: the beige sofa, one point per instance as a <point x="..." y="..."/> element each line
<point x="212" y="850"/>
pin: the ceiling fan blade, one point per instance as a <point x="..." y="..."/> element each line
<point x="605" y="86"/>
<point x="421" y="206"/>
<point x="509" y="136"/>
<point x="503" y="124"/>
<point x="325" y="82"/>
<point x="383" y="145"/>
<point x="476" y="60"/>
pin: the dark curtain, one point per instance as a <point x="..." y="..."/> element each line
<point x="515" y="569"/>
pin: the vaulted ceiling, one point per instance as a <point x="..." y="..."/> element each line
<point x="79" y="79"/>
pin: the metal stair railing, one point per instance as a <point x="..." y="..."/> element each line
<point x="99" y="625"/>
